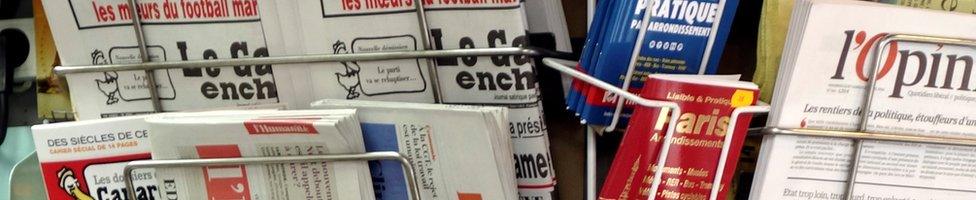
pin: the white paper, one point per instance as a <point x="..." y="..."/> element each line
<point x="344" y="27"/>
<point x="86" y="159"/>
<point x="483" y="168"/>
<point x="496" y="80"/>
<point x="100" y="33"/>
<point x="820" y="88"/>
<point x="262" y="134"/>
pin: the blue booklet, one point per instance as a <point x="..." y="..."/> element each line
<point x="618" y="47"/>
<point x="590" y="49"/>
<point x="683" y="37"/>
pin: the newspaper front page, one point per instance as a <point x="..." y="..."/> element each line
<point x="922" y="89"/>
<point x="85" y="159"/>
<point x="508" y="81"/>
<point x="350" y="27"/>
<point x="484" y="169"/>
<point x="100" y="32"/>
<point x="261" y="134"/>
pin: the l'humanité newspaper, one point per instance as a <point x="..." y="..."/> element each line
<point x="230" y="134"/>
<point x="100" y="32"/>
<point x="922" y="89"/>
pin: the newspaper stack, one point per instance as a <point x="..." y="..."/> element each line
<point x="225" y="134"/>
<point x="339" y="27"/>
<point x="822" y="84"/>
<point x="467" y="157"/>
<point x="508" y="81"/>
<point x="101" y="33"/>
<point x="84" y="160"/>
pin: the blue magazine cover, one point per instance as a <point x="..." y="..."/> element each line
<point x="683" y="37"/>
<point x="593" y="37"/>
<point x="590" y="65"/>
<point x="618" y="45"/>
<point x="389" y="181"/>
<point x="677" y="43"/>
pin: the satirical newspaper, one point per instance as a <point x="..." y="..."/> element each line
<point x="100" y="32"/>
<point x="84" y="160"/>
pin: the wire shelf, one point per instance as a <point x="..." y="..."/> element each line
<point x="560" y="65"/>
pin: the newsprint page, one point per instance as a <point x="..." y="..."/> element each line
<point x="100" y="32"/>
<point x="922" y="89"/>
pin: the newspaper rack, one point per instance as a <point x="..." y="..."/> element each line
<point x="562" y="66"/>
<point x="394" y="155"/>
<point x="150" y="66"/>
<point x="857" y="136"/>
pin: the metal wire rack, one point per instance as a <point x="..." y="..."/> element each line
<point x="561" y="66"/>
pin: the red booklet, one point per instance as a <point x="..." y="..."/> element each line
<point x="706" y="104"/>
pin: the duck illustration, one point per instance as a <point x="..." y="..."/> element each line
<point x="69" y="183"/>
<point x="349" y="80"/>
<point x="110" y="85"/>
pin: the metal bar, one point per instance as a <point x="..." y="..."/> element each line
<point x="144" y="56"/>
<point x="854" y="166"/>
<point x="872" y="136"/>
<point x="711" y="43"/>
<point x="662" y="157"/>
<point x="404" y="162"/>
<point x="591" y="137"/>
<point x="590" y="10"/>
<point x="296" y="59"/>
<point x="927" y="39"/>
<point x="425" y="41"/>
<point x="723" y="157"/>
<point x="590" y="164"/>
<point x="554" y="64"/>
<point x="630" y="68"/>
<point x="675" y="112"/>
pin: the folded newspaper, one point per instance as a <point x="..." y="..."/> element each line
<point x="348" y="27"/>
<point x="84" y="160"/>
<point x="822" y="84"/>
<point x="340" y="27"/>
<point x="468" y="157"/>
<point x="508" y="81"/>
<point x="101" y="33"/>
<point x="229" y="134"/>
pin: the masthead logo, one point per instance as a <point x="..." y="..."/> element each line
<point x="934" y="65"/>
<point x="277" y="126"/>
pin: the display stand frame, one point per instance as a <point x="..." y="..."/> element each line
<point x="149" y="67"/>
<point x="857" y="136"/>
<point x="561" y="66"/>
